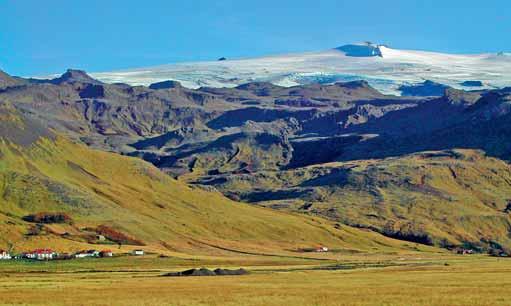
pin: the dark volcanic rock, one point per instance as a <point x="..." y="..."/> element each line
<point x="165" y="85"/>
<point x="93" y="91"/>
<point x="207" y="272"/>
<point x="9" y="81"/>
<point x="230" y="272"/>
<point x="426" y="89"/>
<point x="354" y="84"/>
<point x="361" y="50"/>
<point x="319" y="150"/>
<point x="171" y="139"/>
<point x="460" y="97"/>
<point x="238" y="117"/>
<point x="75" y="76"/>
<point x="259" y="88"/>
<point x="472" y="83"/>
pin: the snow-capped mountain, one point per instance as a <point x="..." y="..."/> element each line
<point x="384" y="68"/>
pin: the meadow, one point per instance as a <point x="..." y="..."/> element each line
<point x="412" y="280"/>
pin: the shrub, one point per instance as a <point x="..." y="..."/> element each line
<point x="48" y="218"/>
<point x="115" y="235"/>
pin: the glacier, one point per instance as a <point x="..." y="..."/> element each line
<point x="384" y="68"/>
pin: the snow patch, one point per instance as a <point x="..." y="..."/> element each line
<point x="386" y="72"/>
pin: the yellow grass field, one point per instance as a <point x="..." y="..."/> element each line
<point x="438" y="280"/>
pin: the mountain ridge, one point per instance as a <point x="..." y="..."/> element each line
<point x="214" y="138"/>
<point x="129" y="196"/>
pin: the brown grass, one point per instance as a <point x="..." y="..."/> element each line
<point x="463" y="281"/>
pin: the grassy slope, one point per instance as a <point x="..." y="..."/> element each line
<point x="94" y="187"/>
<point x="449" y="198"/>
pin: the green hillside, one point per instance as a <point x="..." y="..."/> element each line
<point x="446" y="198"/>
<point x="41" y="172"/>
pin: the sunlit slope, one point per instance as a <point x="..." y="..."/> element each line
<point x="51" y="174"/>
<point x="447" y="198"/>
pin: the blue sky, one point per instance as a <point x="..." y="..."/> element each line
<point x="40" y="37"/>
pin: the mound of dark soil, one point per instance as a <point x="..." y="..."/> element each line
<point x="230" y="272"/>
<point x="207" y="272"/>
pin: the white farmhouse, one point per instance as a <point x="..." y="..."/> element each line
<point x="88" y="253"/>
<point x="4" y="255"/>
<point x="106" y="253"/>
<point x="138" y="252"/>
<point x="41" y="254"/>
<point x="322" y="249"/>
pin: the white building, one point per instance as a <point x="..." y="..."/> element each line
<point x="138" y="252"/>
<point x="322" y="249"/>
<point x="41" y="254"/>
<point x="4" y="255"/>
<point x="82" y="255"/>
<point x="85" y="254"/>
<point x="106" y="253"/>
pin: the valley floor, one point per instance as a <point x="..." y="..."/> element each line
<point x="437" y="280"/>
